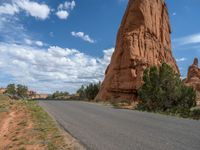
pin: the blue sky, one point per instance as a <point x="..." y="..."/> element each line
<point x="61" y="44"/>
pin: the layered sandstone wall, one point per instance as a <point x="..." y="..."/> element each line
<point x="143" y="40"/>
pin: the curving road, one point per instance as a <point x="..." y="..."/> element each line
<point x="104" y="128"/>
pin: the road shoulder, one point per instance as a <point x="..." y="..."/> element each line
<point x="25" y="125"/>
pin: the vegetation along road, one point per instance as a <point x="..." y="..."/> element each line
<point x="100" y="127"/>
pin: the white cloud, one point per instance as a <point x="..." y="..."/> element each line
<point x="11" y="29"/>
<point x="62" y="14"/>
<point x="55" y="68"/>
<point x="181" y="59"/>
<point x="107" y="56"/>
<point x="8" y="9"/>
<point x="32" y="8"/>
<point x="191" y="39"/>
<point x="64" y="9"/>
<point x="67" y="5"/>
<point x="28" y="41"/>
<point x="39" y="43"/>
<point x="83" y="36"/>
<point x="35" y="9"/>
<point x="34" y="43"/>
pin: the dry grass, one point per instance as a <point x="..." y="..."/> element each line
<point x="26" y="126"/>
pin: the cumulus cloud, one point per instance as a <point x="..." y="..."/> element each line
<point x="64" y="9"/>
<point x="34" y="9"/>
<point x="106" y="57"/>
<point x="83" y="36"/>
<point x="54" y="68"/>
<point x="39" y="43"/>
<point x="62" y="14"/>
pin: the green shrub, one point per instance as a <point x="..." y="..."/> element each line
<point x="22" y="91"/>
<point x="59" y="95"/>
<point x="17" y="92"/>
<point x="89" y="92"/>
<point x="11" y="89"/>
<point x="195" y="113"/>
<point x="163" y="91"/>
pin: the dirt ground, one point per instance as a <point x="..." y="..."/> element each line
<point x="25" y="126"/>
<point x="16" y="128"/>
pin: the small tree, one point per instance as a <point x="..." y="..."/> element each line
<point x="81" y="92"/>
<point x="22" y="91"/>
<point x="164" y="91"/>
<point x="11" y="89"/>
<point x="90" y="91"/>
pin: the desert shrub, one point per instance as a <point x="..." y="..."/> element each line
<point x="59" y="95"/>
<point x="164" y="91"/>
<point x="11" y="89"/>
<point x="120" y="103"/>
<point x="22" y="91"/>
<point x="195" y="113"/>
<point x="17" y="92"/>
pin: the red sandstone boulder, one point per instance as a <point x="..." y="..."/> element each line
<point x="143" y="40"/>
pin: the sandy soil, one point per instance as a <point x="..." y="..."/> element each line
<point x="15" y="129"/>
<point x="26" y="126"/>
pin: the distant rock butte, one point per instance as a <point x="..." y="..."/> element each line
<point x="193" y="78"/>
<point x="143" y="40"/>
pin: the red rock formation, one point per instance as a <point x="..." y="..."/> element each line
<point x="143" y="40"/>
<point x="193" y="78"/>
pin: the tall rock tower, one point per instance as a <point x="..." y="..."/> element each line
<point x="193" y="78"/>
<point x="143" y="40"/>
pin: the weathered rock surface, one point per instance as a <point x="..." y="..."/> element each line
<point x="143" y="40"/>
<point x="193" y="78"/>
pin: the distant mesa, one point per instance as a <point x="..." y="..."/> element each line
<point x="35" y="95"/>
<point x="193" y="78"/>
<point x="143" y="40"/>
<point x="31" y="94"/>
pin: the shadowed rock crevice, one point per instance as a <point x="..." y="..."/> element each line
<point x="143" y="40"/>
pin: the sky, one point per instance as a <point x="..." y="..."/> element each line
<point x="52" y="45"/>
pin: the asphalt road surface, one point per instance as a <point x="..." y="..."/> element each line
<point x="99" y="127"/>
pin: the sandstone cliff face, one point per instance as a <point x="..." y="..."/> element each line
<point x="193" y="78"/>
<point x="143" y="40"/>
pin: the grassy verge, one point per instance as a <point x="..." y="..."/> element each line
<point x="5" y="103"/>
<point x="45" y="128"/>
<point x="31" y="127"/>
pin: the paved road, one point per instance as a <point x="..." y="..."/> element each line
<point x="103" y="128"/>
